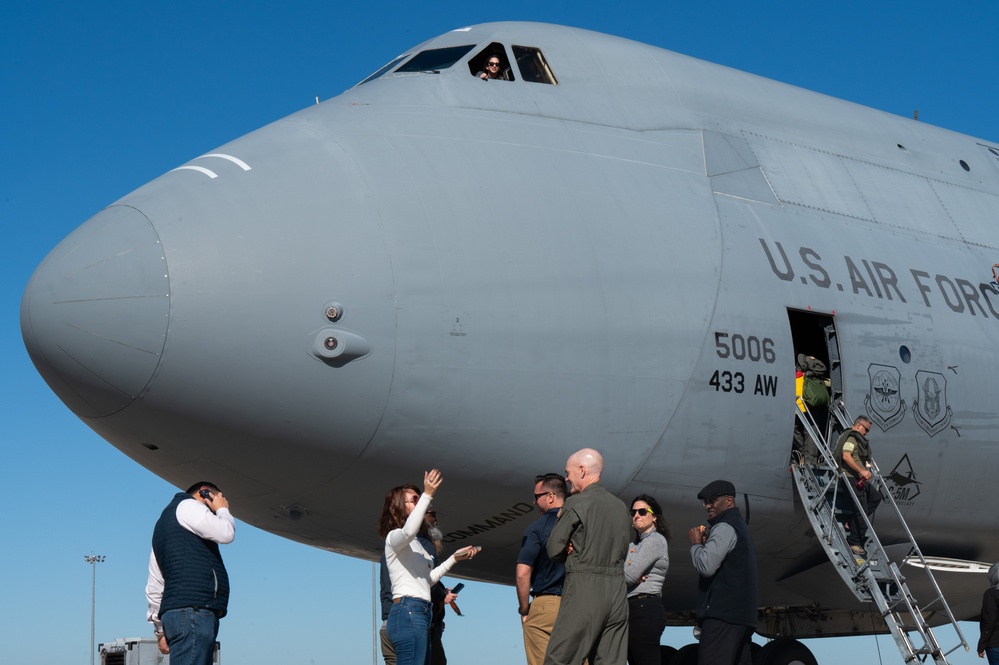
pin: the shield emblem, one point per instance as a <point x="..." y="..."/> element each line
<point x="931" y="410"/>
<point x="884" y="402"/>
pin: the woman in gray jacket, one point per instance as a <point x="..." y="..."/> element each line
<point x="644" y="571"/>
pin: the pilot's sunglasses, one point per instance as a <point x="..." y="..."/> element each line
<point x="641" y="512"/>
<point x="493" y="64"/>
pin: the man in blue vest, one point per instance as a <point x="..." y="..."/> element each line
<point x="188" y="587"/>
<point x="724" y="555"/>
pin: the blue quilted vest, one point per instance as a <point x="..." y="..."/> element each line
<point x="731" y="593"/>
<point x="193" y="572"/>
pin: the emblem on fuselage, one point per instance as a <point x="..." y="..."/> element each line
<point x="884" y="402"/>
<point x="931" y="410"/>
<point x="902" y="482"/>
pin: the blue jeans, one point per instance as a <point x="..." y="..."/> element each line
<point x="992" y="654"/>
<point x="409" y="630"/>
<point x="190" y="633"/>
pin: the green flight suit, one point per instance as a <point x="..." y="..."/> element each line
<point x="592" y="621"/>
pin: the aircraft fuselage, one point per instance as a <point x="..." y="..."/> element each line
<point x="434" y="270"/>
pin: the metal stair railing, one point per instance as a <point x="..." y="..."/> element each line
<point x="874" y="578"/>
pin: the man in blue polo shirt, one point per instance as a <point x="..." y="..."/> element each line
<point x="537" y="575"/>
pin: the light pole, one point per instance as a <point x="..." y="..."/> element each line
<point x="93" y="560"/>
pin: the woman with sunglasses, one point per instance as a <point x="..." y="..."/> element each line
<point x="494" y="69"/>
<point x="644" y="571"/>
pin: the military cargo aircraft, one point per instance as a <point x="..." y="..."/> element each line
<point x="608" y="245"/>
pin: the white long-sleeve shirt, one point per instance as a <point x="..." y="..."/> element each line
<point x="410" y="566"/>
<point x="196" y="517"/>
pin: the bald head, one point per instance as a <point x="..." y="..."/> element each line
<point x="582" y="469"/>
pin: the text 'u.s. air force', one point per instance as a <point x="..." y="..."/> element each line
<point x="876" y="279"/>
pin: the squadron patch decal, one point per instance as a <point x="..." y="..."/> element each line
<point x="931" y="410"/>
<point x="884" y="402"/>
<point x="902" y="482"/>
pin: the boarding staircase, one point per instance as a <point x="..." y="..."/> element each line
<point x="873" y="578"/>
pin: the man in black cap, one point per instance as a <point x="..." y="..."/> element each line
<point x="724" y="555"/>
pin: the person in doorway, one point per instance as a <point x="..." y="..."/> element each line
<point x="812" y="390"/>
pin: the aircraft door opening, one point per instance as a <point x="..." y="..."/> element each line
<point x="818" y="376"/>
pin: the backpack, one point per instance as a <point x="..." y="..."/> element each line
<point x="814" y="392"/>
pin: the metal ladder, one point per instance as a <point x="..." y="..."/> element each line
<point x="875" y="579"/>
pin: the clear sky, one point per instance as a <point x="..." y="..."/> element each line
<point x="97" y="98"/>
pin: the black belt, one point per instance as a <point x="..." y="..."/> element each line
<point x="643" y="595"/>
<point x="538" y="595"/>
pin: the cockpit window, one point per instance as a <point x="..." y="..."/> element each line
<point x="384" y="69"/>
<point x="491" y="64"/>
<point x="533" y="66"/>
<point x="435" y="59"/>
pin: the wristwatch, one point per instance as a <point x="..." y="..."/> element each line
<point x="158" y="634"/>
<point x="524" y="613"/>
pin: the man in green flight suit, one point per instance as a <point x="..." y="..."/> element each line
<point x="591" y="536"/>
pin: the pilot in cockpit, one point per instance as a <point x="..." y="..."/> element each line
<point x="495" y="70"/>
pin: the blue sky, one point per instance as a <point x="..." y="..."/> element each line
<point x="99" y="98"/>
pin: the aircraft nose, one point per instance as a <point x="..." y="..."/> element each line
<point x="94" y="316"/>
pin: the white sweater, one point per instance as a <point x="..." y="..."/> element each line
<point x="410" y="566"/>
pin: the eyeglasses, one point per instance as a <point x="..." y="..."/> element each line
<point x="492" y="64"/>
<point x="641" y="512"/>
<point x="709" y="502"/>
<point x="538" y="495"/>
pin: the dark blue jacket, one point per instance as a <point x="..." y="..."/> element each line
<point x="730" y="595"/>
<point x="193" y="572"/>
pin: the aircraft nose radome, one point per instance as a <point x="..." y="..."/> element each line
<point x="94" y="315"/>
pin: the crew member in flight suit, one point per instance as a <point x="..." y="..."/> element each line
<point x="591" y="536"/>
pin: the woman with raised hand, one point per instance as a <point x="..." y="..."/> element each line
<point x="411" y="568"/>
